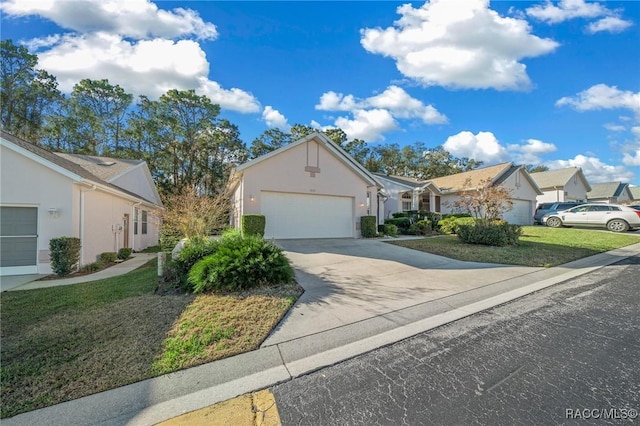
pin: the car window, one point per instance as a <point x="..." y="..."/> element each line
<point x="598" y="208"/>
<point x="579" y="209"/>
<point x="545" y="206"/>
<point x="565" y="206"/>
<point x="615" y="208"/>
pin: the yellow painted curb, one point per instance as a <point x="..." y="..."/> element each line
<point x="256" y="409"/>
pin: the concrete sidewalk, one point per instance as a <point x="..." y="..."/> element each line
<point x="155" y="400"/>
<point x="29" y="282"/>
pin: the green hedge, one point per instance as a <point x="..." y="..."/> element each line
<point x="451" y="223"/>
<point x="253" y="224"/>
<point x="240" y="262"/>
<point x="368" y="227"/>
<point x="390" y="230"/>
<point x="501" y="234"/>
<point x="124" y="253"/>
<point x="108" y="257"/>
<point x="193" y="250"/>
<point x="65" y="253"/>
<point x="403" y="223"/>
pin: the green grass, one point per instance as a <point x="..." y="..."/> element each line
<point x="62" y="343"/>
<point x="539" y="246"/>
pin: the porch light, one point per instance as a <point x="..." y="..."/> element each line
<point x="54" y="212"/>
<point x="251" y="198"/>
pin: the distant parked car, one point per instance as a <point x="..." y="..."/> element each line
<point x="545" y="208"/>
<point x="635" y="206"/>
<point x="613" y="217"/>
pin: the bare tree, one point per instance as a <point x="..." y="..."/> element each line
<point x="486" y="202"/>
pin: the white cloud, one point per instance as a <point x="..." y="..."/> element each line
<point x="458" y="45"/>
<point x="631" y="159"/>
<point x="572" y="9"/>
<point x="134" y="44"/>
<point x="595" y="170"/>
<point x="274" y="118"/>
<point x="394" y="99"/>
<point x="610" y="24"/>
<point x="602" y="96"/>
<point x="483" y="146"/>
<point x="530" y="152"/>
<point x="565" y="10"/>
<point x="367" y="125"/>
<point x="128" y="18"/>
<point x="615" y="127"/>
<point x="149" y="67"/>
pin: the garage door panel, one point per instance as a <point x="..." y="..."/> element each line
<point x="18" y="251"/>
<point x="291" y="215"/>
<point x="18" y="240"/>
<point x="521" y="213"/>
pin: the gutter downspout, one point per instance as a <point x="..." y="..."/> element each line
<point x="82" y="216"/>
<point x="131" y="228"/>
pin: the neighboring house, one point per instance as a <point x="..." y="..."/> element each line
<point x="635" y="193"/>
<point x="610" y="192"/>
<point x="567" y="184"/>
<point x="311" y="188"/>
<point x="108" y="203"/>
<point x="440" y="194"/>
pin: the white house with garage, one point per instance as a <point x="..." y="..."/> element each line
<point x="108" y="203"/>
<point x="568" y="184"/>
<point x="311" y="188"/>
<point x="440" y="194"/>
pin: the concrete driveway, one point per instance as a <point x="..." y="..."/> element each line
<point x="351" y="280"/>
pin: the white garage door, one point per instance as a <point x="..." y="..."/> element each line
<point x="521" y="214"/>
<point x="18" y="240"/>
<point x="306" y="216"/>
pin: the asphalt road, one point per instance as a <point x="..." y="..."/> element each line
<point x="569" y="354"/>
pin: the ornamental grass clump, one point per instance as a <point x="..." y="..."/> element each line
<point x="240" y="262"/>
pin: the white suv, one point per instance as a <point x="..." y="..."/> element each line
<point x="614" y="217"/>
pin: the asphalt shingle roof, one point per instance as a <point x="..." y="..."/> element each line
<point x="105" y="168"/>
<point x="554" y="178"/>
<point x="606" y="190"/>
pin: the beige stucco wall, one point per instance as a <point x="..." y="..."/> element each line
<point x="24" y="182"/>
<point x="285" y="172"/>
<point x="574" y="190"/>
<point x="137" y="181"/>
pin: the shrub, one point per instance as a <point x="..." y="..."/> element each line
<point x="124" y="253"/>
<point x="402" y="223"/>
<point x="490" y="235"/>
<point x="424" y="227"/>
<point x="433" y="218"/>
<point x="193" y="250"/>
<point x="108" y="257"/>
<point x="253" y="224"/>
<point x="93" y="267"/>
<point x="450" y="224"/>
<point x="368" y="226"/>
<point x="240" y="262"/>
<point x="65" y="253"/>
<point x="390" y="230"/>
<point x="396" y="215"/>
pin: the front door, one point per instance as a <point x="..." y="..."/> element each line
<point x="125" y="243"/>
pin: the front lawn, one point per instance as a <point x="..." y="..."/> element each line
<point x="539" y="246"/>
<point x="62" y="343"/>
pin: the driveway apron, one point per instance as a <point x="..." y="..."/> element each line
<point x="351" y="280"/>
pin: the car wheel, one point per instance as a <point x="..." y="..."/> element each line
<point x="617" y="225"/>
<point x="554" y="222"/>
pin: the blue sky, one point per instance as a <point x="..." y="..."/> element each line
<point x="552" y="83"/>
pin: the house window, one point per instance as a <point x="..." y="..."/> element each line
<point x="135" y="221"/>
<point x="406" y="201"/>
<point x="144" y="222"/>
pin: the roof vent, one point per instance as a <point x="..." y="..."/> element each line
<point x="107" y="163"/>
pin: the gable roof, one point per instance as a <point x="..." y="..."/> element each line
<point x="102" y="167"/>
<point x="635" y="192"/>
<point x="331" y="146"/>
<point x="65" y="166"/>
<point x="472" y="178"/>
<point x="401" y="180"/>
<point x="608" y="190"/>
<point x="553" y="179"/>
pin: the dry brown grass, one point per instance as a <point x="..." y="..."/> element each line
<point x="63" y="343"/>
